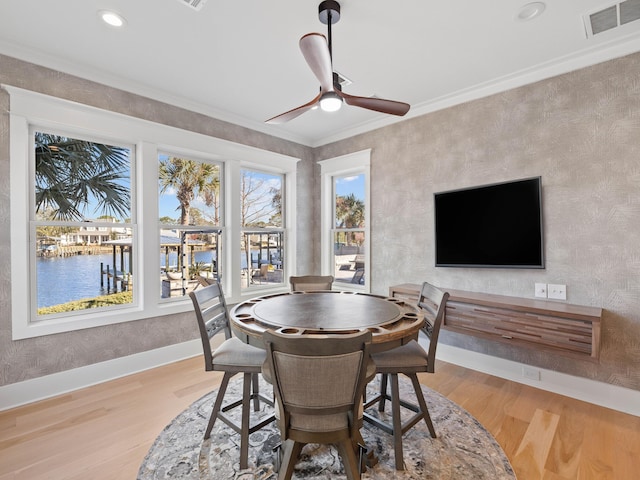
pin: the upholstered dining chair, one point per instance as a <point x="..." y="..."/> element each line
<point x="232" y="356"/>
<point x="306" y="283"/>
<point x="409" y="359"/>
<point x="318" y="382"/>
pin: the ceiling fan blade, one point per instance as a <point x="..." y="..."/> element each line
<point x="378" y="104"/>
<point x="291" y="114"/>
<point x="316" y="52"/>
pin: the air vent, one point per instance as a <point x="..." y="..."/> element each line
<point x="611" y="17"/>
<point x="195" y="4"/>
<point x="342" y="80"/>
<point x="629" y="11"/>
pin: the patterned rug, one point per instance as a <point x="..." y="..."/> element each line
<point x="464" y="449"/>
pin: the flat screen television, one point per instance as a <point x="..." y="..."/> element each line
<point x="493" y="226"/>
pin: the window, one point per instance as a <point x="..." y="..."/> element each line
<point x="81" y="212"/>
<point x="262" y="243"/>
<point x="189" y="225"/>
<point x="345" y="220"/>
<point x="349" y="229"/>
<point x="99" y="200"/>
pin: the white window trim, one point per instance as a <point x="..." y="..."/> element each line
<point x="288" y="227"/>
<point x="29" y="108"/>
<point x="352" y="163"/>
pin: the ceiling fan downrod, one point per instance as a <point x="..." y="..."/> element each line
<point x="329" y="13"/>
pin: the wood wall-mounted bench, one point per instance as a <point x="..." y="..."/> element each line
<point x="555" y="326"/>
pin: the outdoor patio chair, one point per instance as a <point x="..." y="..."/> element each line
<point x="261" y="274"/>
<point x="358" y="277"/>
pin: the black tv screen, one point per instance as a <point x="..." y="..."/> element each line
<point x="498" y="225"/>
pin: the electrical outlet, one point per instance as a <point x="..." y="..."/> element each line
<point x="559" y="292"/>
<point x="541" y="290"/>
<point x="531" y="373"/>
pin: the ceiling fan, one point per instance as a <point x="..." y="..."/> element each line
<point x="318" y="54"/>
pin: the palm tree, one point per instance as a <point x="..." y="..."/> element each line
<point x="350" y="214"/>
<point x="71" y="174"/>
<point x="190" y="179"/>
<point x="349" y="211"/>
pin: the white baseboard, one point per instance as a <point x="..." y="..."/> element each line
<point x="16" y="394"/>
<point x="599" y="393"/>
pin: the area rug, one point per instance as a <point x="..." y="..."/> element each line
<point x="463" y="450"/>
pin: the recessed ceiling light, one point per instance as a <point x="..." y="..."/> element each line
<point x="112" y="19"/>
<point x="531" y="11"/>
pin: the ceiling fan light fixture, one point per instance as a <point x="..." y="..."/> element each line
<point x="330" y="102"/>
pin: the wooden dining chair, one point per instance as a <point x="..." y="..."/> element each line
<point x="231" y="357"/>
<point x="307" y="283"/>
<point x="318" y="382"/>
<point x="409" y="359"/>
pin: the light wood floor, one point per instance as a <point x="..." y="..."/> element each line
<point x="104" y="432"/>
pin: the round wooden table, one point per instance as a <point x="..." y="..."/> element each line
<point x="391" y="321"/>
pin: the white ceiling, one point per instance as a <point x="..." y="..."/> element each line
<point x="239" y="60"/>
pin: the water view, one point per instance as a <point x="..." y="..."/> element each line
<point x="65" y="279"/>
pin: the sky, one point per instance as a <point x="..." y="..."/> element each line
<point x="353" y="184"/>
<point x="344" y="186"/>
<point x="169" y="206"/>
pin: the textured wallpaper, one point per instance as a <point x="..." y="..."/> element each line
<point x="35" y="357"/>
<point x="581" y="133"/>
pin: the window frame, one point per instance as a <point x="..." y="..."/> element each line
<point x="94" y="225"/>
<point x="30" y="109"/>
<point x="356" y="163"/>
<point x="220" y="228"/>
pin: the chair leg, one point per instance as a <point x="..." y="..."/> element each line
<point x="277" y="457"/>
<point x="256" y="392"/>
<point x="368" y="458"/>
<point x="346" y="449"/>
<point x="244" y="427"/>
<point x="383" y="391"/>
<point x="397" y="422"/>
<point x="423" y="404"/>
<point x="218" y="403"/>
<point x="290" y="456"/>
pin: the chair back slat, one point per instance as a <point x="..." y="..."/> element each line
<point x="433" y="303"/>
<point x="212" y="316"/>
